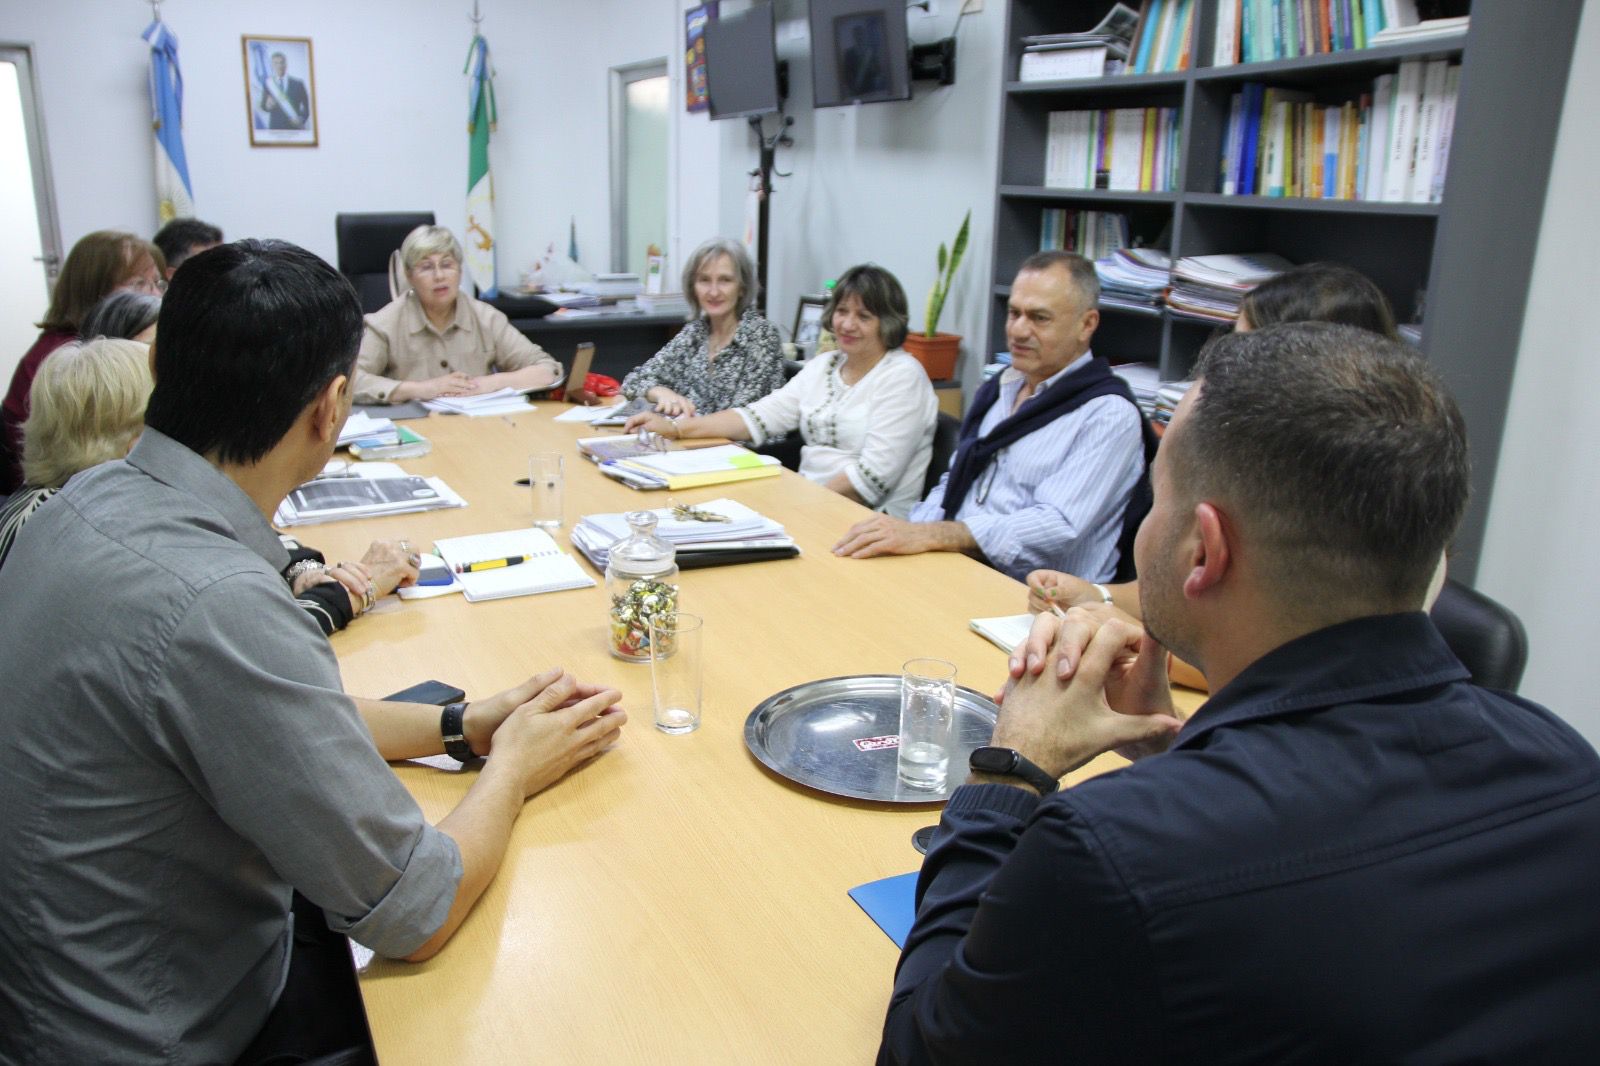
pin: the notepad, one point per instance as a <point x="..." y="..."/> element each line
<point x="1005" y="632"/>
<point x="548" y="570"/>
<point x="705" y="466"/>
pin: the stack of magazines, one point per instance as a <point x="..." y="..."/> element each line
<point x="1168" y="397"/>
<point x="707" y="534"/>
<point x="1133" y="278"/>
<point x="363" y="491"/>
<point x="1210" y="287"/>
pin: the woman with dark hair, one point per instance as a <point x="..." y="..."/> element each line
<point x="728" y="355"/>
<point x="1318" y="292"/>
<point x="125" y="314"/>
<point x="100" y="263"/>
<point x="866" y="411"/>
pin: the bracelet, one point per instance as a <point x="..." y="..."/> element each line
<point x="677" y="430"/>
<point x="1105" y="593"/>
<point x="304" y="566"/>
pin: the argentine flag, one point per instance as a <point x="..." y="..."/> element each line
<point x="174" y="194"/>
<point x="481" y="118"/>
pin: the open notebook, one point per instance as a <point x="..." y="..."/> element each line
<point x="548" y="570"/>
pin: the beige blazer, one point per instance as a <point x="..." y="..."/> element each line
<point x="400" y="344"/>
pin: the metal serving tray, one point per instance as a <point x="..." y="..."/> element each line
<point x="841" y="735"/>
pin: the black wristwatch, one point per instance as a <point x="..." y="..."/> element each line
<point x="1010" y="763"/>
<point x="452" y="723"/>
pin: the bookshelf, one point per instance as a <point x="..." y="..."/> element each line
<point x="1468" y="258"/>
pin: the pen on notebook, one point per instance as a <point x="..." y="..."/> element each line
<point x="490" y="564"/>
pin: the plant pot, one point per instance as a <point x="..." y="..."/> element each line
<point x="937" y="353"/>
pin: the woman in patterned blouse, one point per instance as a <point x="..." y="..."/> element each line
<point x="728" y="355"/>
<point x="866" y="412"/>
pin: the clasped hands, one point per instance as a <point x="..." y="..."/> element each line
<point x="548" y="725"/>
<point x="1083" y="685"/>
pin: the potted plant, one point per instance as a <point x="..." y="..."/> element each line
<point x="938" y="351"/>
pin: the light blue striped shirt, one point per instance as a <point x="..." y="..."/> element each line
<point x="1055" y="498"/>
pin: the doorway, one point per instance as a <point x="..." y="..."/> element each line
<point x="639" y="94"/>
<point x="31" y="256"/>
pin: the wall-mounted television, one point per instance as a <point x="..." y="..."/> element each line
<point x="859" y="52"/>
<point x="742" y="64"/>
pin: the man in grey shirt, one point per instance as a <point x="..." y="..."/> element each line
<point x="191" y="759"/>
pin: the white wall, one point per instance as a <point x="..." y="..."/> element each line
<point x="391" y="107"/>
<point x="1539" y="555"/>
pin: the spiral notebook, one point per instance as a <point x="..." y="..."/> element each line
<point x="548" y="569"/>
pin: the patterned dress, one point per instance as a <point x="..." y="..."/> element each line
<point x="746" y="370"/>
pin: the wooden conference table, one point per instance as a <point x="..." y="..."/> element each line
<point x="674" y="901"/>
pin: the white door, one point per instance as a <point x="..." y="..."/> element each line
<point x="30" y="255"/>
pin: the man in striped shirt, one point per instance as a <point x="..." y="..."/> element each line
<point x="1050" y="451"/>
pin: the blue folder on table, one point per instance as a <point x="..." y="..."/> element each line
<point x="891" y="902"/>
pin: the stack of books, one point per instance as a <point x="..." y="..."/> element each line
<point x="1135" y="279"/>
<point x="1390" y="144"/>
<point x="745" y="536"/>
<point x="1131" y="148"/>
<point x="1422" y="31"/>
<point x="663" y="303"/>
<point x="1145" y="381"/>
<point x="1103" y="50"/>
<point x="1254" y="30"/>
<point x="614" y="285"/>
<point x="1165" y="39"/>
<point x="1089" y="233"/>
<point x="364" y="491"/>
<point x="1210" y="287"/>
<point x="1168" y="397"/>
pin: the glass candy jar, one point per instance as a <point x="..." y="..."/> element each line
<point x="641" y="579"/>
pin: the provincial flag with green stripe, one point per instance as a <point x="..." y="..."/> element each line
<point x="478" y="240"/>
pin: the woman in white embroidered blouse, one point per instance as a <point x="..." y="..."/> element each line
<point x="866" y="412"/>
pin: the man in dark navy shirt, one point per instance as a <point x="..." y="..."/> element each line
<point x="1349" y="854"/>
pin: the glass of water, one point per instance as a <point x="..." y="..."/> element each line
<point x="927" y="723"/>
<point x="545" y="481"/>
<point x="676" y="668"/>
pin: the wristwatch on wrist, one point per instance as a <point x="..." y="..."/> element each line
<point x="1008" y="762"/>
<point x="452" y="723"/>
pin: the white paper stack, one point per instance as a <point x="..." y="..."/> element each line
<point x="1210" y="287"/>
<point x="499" y="402"/>
<point x="360" y="425"/>
<point x="745" y="528"/>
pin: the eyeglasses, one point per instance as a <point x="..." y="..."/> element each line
<point x="437" y="266"/>
<point x="146" y="286"/>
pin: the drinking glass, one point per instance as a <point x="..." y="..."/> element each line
<point x="676" y="666"/>
<point x="927" y="723"/>
<point x="545" y="482"/>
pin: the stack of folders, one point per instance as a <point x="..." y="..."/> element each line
<point x="516" y="562"/>
<point x="363" y="491"/>
<point x="1134" y="279"/>
<point x="747" y="536"/>
<point x="1211" y="287"/>
<point x="1144" y="379"/>
<point x="361" y="425"/>
<point x="1102" y="50"/>
<point x="691" y="469"/>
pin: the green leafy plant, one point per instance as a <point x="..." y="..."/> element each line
<point x="948" y="261"/>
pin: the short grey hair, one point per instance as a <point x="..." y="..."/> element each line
<point x="123" y="314"/>
<point x="1079" y="268"/>
<point x="429" y="240"/>
<point x="86" y="407"/>
<point x="743" y="267"/>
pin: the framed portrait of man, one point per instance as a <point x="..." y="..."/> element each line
<point x="280" y="91"/>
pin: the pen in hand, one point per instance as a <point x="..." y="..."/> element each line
<point x="490" y="564"/>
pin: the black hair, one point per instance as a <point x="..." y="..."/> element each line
<point x="881" y="294"/>
<point x="1320" y="292"/>
<point x="179" y="238"/>
<point x="249" y="334"/>
<point x="1342" y="453"/>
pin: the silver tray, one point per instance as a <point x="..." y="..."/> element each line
<point x="820" y="734"/>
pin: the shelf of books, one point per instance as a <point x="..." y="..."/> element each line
<point x="1147" y="135"/>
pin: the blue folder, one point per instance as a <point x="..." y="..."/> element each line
<point x="891" y="903"/>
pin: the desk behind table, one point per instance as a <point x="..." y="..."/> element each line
<point x="674" y="901"/>
<point x="623" y="337"/>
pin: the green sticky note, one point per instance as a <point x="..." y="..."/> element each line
<point x="744" y="462"/>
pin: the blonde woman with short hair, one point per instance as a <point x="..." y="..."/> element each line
<point x="87" y="407"/>
<point x="435" y="340"/>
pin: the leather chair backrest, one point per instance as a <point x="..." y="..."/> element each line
<point x="946" y="431"/>
<point x="366" y="241"/>
<point x="1485" y="635"/>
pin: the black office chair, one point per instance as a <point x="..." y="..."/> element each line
<point x="1485" y="635"/>
<point x="946" y="431"/>
<point x="366" y="241"/>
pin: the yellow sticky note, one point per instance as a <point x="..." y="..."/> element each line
<point x="744" y="462"/>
